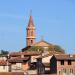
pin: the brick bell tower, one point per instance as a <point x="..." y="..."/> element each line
<point x="31" y="35"/>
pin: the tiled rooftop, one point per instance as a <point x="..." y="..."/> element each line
<point x="65" y="57"/>
<point x="3" y="63"/>
<point x="24" y="53"/>
<point x="18" y="59"/>
<point x="11" y="73"/>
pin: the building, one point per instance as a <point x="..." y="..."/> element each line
<point x="12" y="73"/>
<point x="19" y="64"/>
<point x="31" y="35"/>
<point x="31" y="39"/>
<point x="3" y="57"/>
<point x="62" y="64"/>
<point x="43" y="64"/>
<point x="4" y="66"/>
<point x="48" y="61"/>
<point x="23" y="61"/>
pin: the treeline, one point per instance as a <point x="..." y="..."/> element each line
<point x="3" y="52"/>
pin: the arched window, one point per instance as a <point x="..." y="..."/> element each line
<point x="31" y="41"/>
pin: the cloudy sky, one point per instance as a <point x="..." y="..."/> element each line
<point x="54" y="20"/>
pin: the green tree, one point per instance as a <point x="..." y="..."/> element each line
<point x="36" y="48"/>
<point x="51" y="48"/>
<point x="58" y="48"/>
<point x="3" y="52"/>
<point x="55" y="48"/>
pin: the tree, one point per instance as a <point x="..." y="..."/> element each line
<point x="58" y="49"/>
<point x="36" y="48"/>
<point x="3" y="52"/>
<point x="55" y="48"/>
<point x="51" y="48"/>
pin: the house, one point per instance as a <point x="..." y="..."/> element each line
<point x="12" y="73"/>
<point x="63" y="64"/>
<point x="19" y="64"/>
<point x="4" y="66"/>
<point x="3" y="57"/>
<point x="43" y="64"/>
<point x="31" y="39"/>
<point x="22" y="56"/>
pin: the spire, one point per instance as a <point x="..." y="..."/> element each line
<point x="30" y="24"/>
<point x="31" y="34"/>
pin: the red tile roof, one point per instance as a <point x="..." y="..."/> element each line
<point x="65" y="57"/>
<point x="4" y="63"/>
<point x="11" y="73"/>
<point x="18" y="59"/>
<point x="19" y="73"/>
<point x="48" y="74"/>
<point x="24" y="53"/>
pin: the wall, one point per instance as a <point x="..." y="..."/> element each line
<point x="3" y="58"/>
<point x="16" y="67"/>
<point x="65" y="69"/>
<point x="4" y="68"/>
<point x="53" y="65"/>
<point x="25" y="66"/>
<point x="33" y="58"/>
<point x="46" y="59"/>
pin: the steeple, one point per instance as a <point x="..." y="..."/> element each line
<point x="30" y="24"/>
<point x="31" y="35"/>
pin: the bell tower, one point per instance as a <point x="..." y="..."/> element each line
<point x="31" y="35"/>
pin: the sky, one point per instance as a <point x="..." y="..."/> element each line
<point x="53" y="19"/>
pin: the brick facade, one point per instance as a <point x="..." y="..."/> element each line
<point x="31" y="36"/>
<point x="63" y="65"/>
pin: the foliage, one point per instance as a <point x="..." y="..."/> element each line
<point x="3" y="52"/>
<point x="55" y="48"/>
<point x="36" y="48"/>
<point x="58" y="48"/>
<point x="51" y="48"/>
<point x="42" y="49"/>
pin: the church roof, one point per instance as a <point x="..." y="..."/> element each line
<point x="42" y="43"/>
<point x="30" y="24"/>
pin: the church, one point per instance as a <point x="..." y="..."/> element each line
<point x="37" y="58"/>
<point x="31" y="39"/>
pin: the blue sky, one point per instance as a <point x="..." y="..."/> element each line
<point x="54" y="19"/>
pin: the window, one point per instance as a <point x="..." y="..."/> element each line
<point x="71" y="70"/>
<point x="3" y="67"/>
<point x="31" y="41"/>
<point x="62" y="62"/>
<point x="64" y="70"/>
<point x="59" y="72"/>
<point x="69" y="62"/>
